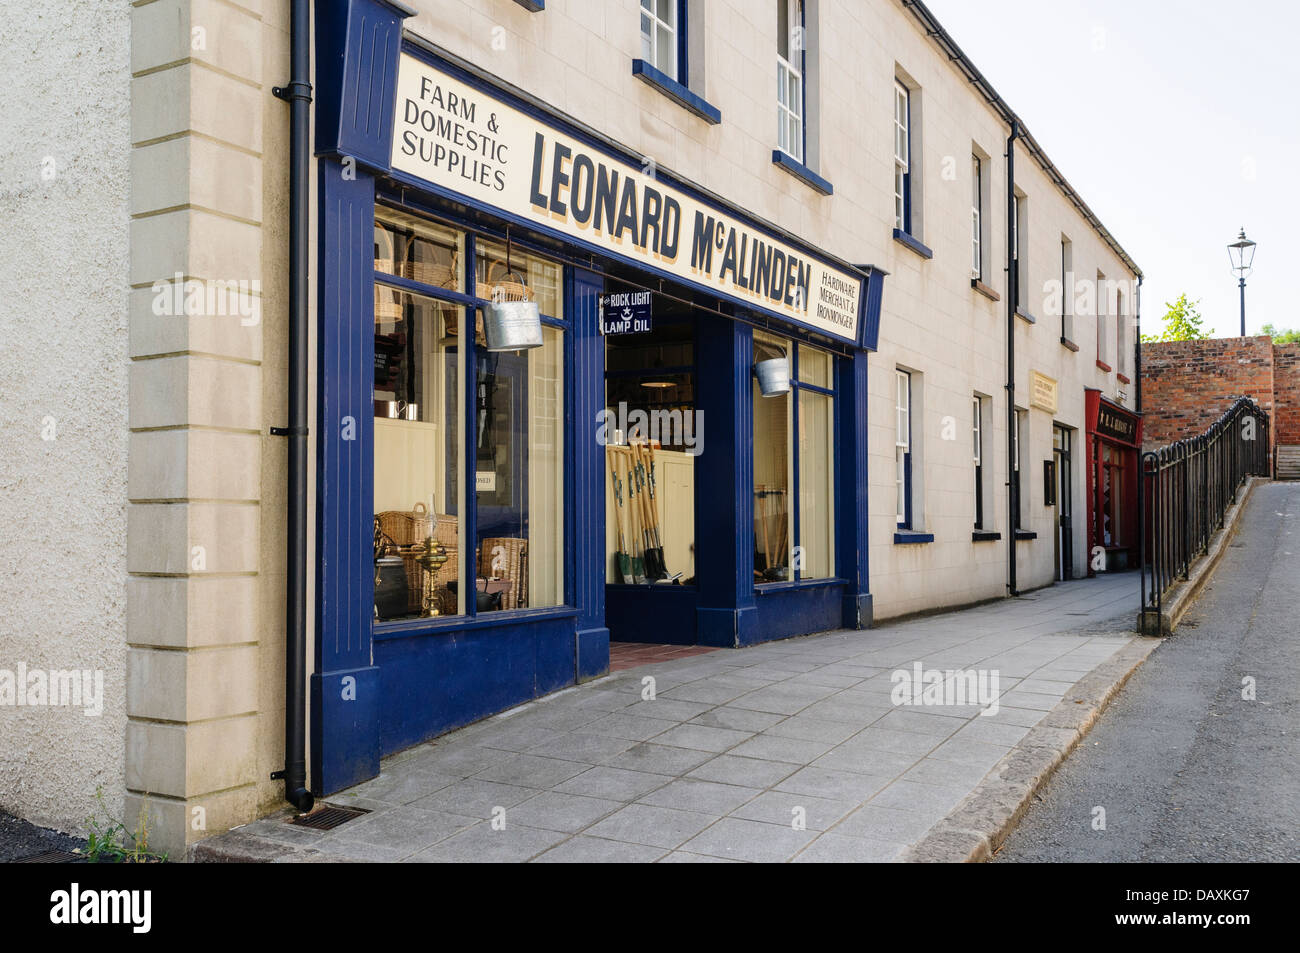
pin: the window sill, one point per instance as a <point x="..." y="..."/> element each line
<point x="532" y="6"/>
<point x="676" y="92"/>
<point x="985" y="290"/>
<point x="1123" y="379"/>
<point x="1023" y="535"/>
<point x="908" y="538"/>
<point x="655" y="586"/>
<point x="1104" y="366"/>
<point x="772" y="588"/>
<point x="907" y="241"/>
<point x="444" y="625"/>
<point x="801" y="172"/>
<point x="1024" y="315"/>
<point x="983" y="536"/>
<point x="1069" y="345"/>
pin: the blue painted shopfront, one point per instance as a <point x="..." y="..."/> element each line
<point x="383" y="686"/>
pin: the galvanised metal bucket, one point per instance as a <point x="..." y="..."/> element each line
<point x="512" y="325"/>
<point x="773" y="376"/>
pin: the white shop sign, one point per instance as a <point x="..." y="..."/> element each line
<point x="459" y="138"/>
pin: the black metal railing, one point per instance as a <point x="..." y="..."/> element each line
<point x="1186" y="490"/>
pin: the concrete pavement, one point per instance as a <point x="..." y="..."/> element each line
<point x="790" y="751"/>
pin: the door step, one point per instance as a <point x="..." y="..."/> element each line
<point x="1288" y="463"/>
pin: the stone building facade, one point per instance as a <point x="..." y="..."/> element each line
<point x="885" y="168"/>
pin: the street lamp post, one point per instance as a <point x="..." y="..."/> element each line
<point x="1242" y="253"/>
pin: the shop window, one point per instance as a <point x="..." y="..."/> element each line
<point x="652" y="435"/>
<point x="421" y="251"/>
<point x="426" y="565"/>
<point x="1111" y="511"/>
<point x="903" y="448"/>
<point x="418" y="425"/>
<point x="816" y="427"/>
<point x="794" y="454"/>
<point x="519" y="448"/>
<point x="790" y="62"/>
<point x="543" y="280"/>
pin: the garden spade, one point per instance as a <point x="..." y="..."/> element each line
<point x="638" y="564"/>
<point x="653" y="561"/>
<point x="621" y="558"/>
<point x="655" y="554"/>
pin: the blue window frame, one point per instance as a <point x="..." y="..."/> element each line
<point x="471" y="510"/>
<point x="795" y="459"/>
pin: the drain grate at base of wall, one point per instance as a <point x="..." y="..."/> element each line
<point x="53" y="857"/>
<point x="328" y="817"/>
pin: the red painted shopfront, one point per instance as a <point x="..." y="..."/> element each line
<point x="1114" y="442"/>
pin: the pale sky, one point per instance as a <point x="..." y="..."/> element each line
<point x="1178" y="121"/>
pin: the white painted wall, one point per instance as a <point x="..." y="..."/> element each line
<point x="63" y="267"/>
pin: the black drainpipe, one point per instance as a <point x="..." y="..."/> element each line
<point x="1137" y="346"/>
<point x="1013" y="281"/>
<point x="298" y="95"/>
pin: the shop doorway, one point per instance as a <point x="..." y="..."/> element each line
<point x="1112" y="530"/>
<point x="652" y="436"/>
<point x="1064" y="516"/>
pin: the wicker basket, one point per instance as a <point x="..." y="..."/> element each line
<point x="447" y="531"/>
<point x="503" y="285"/>
<point x="385" y="251"/>
<point x="408" y="529"/>
<point x="388" y="305"/>
<point x="514" y="569"/>
<point x="430" y="271"/>
<point x="451" y="322"/>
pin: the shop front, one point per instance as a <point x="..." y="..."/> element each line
<point x="562" y="399"/>
<point x="1114" y="435"/>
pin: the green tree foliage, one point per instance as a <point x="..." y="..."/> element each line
<point x="1182" y="323"/>
<point x="1279" y="336"/>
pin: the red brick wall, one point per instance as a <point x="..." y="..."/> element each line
<point x="1187" y="385"/>
<point x="1286" y="393"/>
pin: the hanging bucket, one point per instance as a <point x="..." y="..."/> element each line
<point x="773" y="376"/>
<point x="512" y="325"/>
<point x="512" y="321"/>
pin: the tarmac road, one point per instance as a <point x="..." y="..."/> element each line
<point x="1184" y="767"/>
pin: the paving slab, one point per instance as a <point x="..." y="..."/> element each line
<point x="795" y="751"/>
